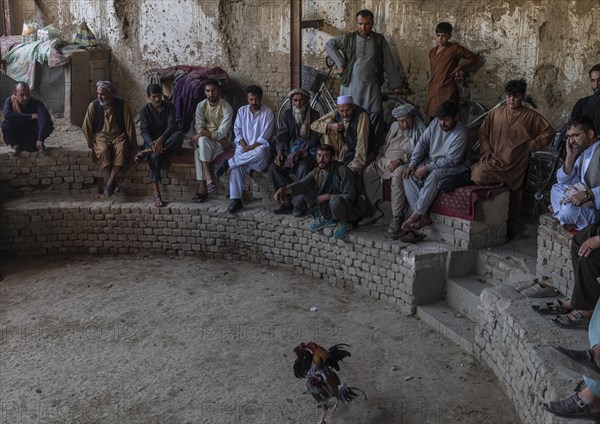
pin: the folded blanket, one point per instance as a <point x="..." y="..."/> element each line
<point x="20" y="61"/>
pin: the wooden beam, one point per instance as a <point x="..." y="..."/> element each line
<point x="295" y="43"/>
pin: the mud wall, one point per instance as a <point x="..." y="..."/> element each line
<point x="550" y="43"/>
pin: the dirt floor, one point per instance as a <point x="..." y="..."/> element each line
<point x="153" y="340"/>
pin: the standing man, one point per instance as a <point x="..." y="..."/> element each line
<point x="27" y="123"/>
<point x="347" y="129"/>
<point x="330" y="192"/>
<point x="590" y="106"/>
<point x="296" y="145"/>
<point x="576" y="195"/>
<point x="110" y="132"/>
<point x="445" y="68"/>
<point x="440" y="152"/>
<point x="507" y="136"/>
<point x="391" y="161"/>
<point x="160" y="134"/>
<point x="213" y="125"/>
<point x="253" y="128"/>
<point x="364" y="57"/>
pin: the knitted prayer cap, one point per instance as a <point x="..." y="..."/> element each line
<point x="344" y="100"/>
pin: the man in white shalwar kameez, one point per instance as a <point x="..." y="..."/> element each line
<point x="575" y="207"/>
<point x="253" y="128"/>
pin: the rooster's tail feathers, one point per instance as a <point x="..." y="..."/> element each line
<point x="348" y="394"/>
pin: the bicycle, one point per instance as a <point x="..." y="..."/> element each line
<point x="315" y="82"/>
<point x="323" y="101"/>
<point x="541" y="176"/>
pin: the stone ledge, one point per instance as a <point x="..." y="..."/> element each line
<point x="400" y="274"/>
<point x="554" y="254"/>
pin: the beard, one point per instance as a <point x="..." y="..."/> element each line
<point x="597" y="92"/>
<point x="212" y="99"/>
<point x="406" y="133"/>
<point x="299" y="112"/>
<point x="105" y="102"/>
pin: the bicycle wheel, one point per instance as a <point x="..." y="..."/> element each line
<point x="319" y="104"/>
<point x="541" y="175"/>
<point x="285" y="105"/>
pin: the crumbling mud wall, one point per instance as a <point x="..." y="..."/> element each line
<point x="550" y="43"/>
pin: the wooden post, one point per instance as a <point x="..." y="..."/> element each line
<point x="295" y="43"/>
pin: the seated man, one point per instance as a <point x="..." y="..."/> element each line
<point x="507" y="136"/>
<point x="214" y="117"/>
<point x="390" y="163"/>
<point x="439" y="153"/>
<point x="586" y="403"/>
<point x="576" y="195"/>
<point x="253" y="128"/>
<point x="160" y="134"/>
<point x="295" y="147"/>
<point x="347" y="130"/>
<point x="585" y="256"/>
<point x="329" y="191"/>
<point x="110" y="132"/>
<point x="27" y="123"/>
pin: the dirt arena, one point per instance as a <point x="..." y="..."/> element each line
<point x="181" y="340"/>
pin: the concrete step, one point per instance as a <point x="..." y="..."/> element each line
<point x="462" y="294"/>
<point x="452" y="324"/>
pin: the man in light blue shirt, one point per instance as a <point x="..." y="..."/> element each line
<point x="440" y="152"/>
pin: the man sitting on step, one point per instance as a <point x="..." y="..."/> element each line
<point x="253" y="128"/>
<point x="110" y="132"/>
<point x="576" y="195"/>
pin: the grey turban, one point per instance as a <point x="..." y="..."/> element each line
<point x="105" y="85"/>
<point x="404" y="110"/>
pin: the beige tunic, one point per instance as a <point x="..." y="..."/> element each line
<point x="510" y="135"/>
<point x="111" y="146"/>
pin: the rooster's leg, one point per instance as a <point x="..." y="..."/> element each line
<point x="322" y="421"/>
<point x="335" y="407"/>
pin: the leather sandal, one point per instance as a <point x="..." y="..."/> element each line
<point x="571" y="407"/>
<point x="573" y="319"/>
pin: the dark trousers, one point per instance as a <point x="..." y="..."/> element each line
<point x="281" y="177"/>
<point x="25" y="136"/>
<point x="586" y="291"/>
<point x="157" y="160"/>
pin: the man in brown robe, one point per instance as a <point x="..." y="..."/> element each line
<point x="507" y="136"/>
<point x="110" y="132"/>
<point x="445" y="68"/>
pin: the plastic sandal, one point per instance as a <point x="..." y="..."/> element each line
<point x="158" y="202"/>
<point x="550" y="308"/>
<point x="573" y="319"/>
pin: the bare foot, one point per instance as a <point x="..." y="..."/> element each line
<point x="423" y="221"/>
<point x="406" y="225"/>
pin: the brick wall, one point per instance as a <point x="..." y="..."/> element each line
<point x="554" y="254"/>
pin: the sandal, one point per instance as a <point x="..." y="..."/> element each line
<point x="573" y="319"/>
<point x="551" y="308"/>
<point x="199" y="198"/>
<point x="572" y="407"/>
<point x="540" y="290"/>
<point x="211" y="187"/>
<point x="158" y="202"/>
<point x="412" y="237"/>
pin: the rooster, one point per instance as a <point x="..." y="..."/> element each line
<point x="317" y="365"/>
